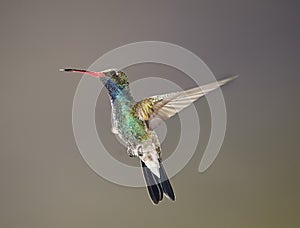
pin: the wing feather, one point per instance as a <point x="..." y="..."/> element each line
<point x="156" y="109"/>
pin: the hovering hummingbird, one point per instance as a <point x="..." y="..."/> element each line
<point x="134" y="122"/>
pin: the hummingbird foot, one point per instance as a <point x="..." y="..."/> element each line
<point x="140" y="150"/>
<point x="130" y="153"/>
<point x="133" y="153"/>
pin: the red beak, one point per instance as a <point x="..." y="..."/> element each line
<point x="91" y="73"/>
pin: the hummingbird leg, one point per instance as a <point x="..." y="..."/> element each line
<point x="140" y="150"/>
<point x="135" y="152"/>
<point x="130" y="152"/>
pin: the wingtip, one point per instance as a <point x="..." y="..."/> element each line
<point x="228" y="79"/>
<point x="234" y="77"/>
<point x="231" y="78"/>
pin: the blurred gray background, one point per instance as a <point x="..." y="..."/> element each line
<point x="254" y="182"/>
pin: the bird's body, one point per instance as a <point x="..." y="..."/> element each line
<point x="134" y="122"/>
<point x="134" y="132"/>
<point x="139" y="139"/>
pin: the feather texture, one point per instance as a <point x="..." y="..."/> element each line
<point x="156" y="109"/>
<point x="157" y="187"/>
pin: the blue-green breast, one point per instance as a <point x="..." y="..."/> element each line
<point x="129" y="125"/>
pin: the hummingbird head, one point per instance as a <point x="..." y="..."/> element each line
<point x="119" y="78"/>
<point x="114" y="80"/>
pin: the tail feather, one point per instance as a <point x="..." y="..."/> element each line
<point x="157" y="186"/>
<point x="166" y="185"/>
<point x="154" y="189"/>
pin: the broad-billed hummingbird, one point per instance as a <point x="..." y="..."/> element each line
<point x="134" y="122"/>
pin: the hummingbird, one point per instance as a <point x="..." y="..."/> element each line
<point x="135" y="122"/>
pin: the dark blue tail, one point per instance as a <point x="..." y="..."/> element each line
<point x="157" y="187"/>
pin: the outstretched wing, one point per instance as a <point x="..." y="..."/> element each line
<point x="154" y="110"/>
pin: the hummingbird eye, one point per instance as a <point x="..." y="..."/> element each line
<point x="113" y="73"/>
